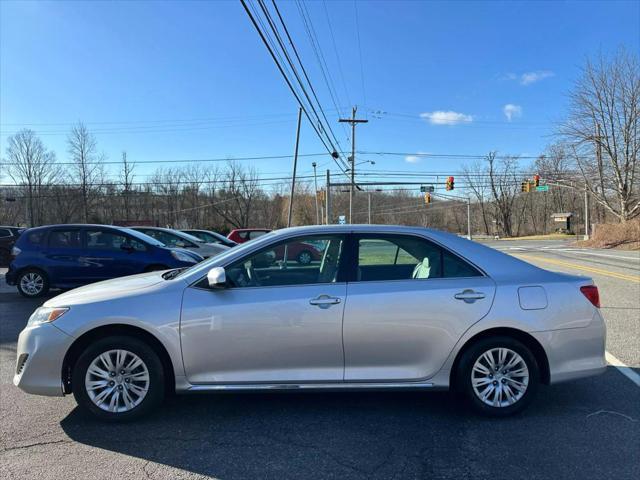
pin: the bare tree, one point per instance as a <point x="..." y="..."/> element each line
<point x="503" y="183"/>
<point x="87" y="169"/>
<point x="475" y="178"/>
<point x="126" y="179"/>
<point x="603" y="130"/>
<point x="31" y="166"/>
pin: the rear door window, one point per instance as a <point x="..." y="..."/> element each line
<point x="5" y="232"/>
<point x="112" y="241"/>
<point x="64" y="239"/>
<point x="404" y="257"/>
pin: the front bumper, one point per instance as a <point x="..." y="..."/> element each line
<point x="41" y="372"/>
<point x="575" y="352"/>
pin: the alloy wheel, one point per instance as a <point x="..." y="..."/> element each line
<point x="500" y="377"/>
<point x="304" y="258"/>
<point x="117" y="381"/>
<point x="32" y="283"/>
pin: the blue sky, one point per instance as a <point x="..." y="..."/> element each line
<point x="181" y="80"/>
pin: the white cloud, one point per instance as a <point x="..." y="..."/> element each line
<point x="532" y="77"/>
<point x="512" y="111"/>
<point x="441" y="117"/>
<point x="415" y="158"/>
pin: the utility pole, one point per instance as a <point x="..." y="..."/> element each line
<point x="586" y="213"/>
<point x="369" y="216"/>
<point x="469" y="218"/>
<point x="353" y="121"/>
<point x="295" y="165"/>
<point x="328" y="198"/>
<point x="315" y="182"/>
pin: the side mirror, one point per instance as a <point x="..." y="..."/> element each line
<point x="180" y="244"/>
<point x="217" y="277"/>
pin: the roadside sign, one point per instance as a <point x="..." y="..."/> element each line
<point x="542" y="188"/>
<point x="427" y="189"/>
<point x="342" y="219"/>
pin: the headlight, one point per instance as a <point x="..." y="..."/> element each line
<point x="46" y="315"/>
<point x="183" y="257"/>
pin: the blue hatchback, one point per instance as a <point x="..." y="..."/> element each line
<point x="68" y="256"/>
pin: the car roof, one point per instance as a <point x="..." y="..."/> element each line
<point x="77" y="225"/>
<point x="251" y="230"/>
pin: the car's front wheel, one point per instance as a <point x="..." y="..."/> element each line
<point x="32" y="283"/>
<point x="500" y="376"/>
<point x="118" y="378"/>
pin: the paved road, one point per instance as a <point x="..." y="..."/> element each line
<point x="580" y="430"/>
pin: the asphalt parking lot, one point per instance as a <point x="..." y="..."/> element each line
<point x="583" y="429"/>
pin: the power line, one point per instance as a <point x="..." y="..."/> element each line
<point x="364" y="91"/>
<point x="335" y="50"/>
<point x="331" y="149"/>
<point x="189" y="160"/>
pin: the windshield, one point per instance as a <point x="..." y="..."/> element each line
<point x="220" y="259"/>
<point x="143" y="237"/>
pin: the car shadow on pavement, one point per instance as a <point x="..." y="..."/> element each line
<point x="575" y="430"/>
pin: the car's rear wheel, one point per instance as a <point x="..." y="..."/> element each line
<point x="304" y="257"/>
<point x="118" y="378"/>
<point x="32" y="283"/>
<point x="500" y="376"/>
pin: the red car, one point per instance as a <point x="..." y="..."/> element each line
<point x="303" y="253"/>
<point x="241" y="235"/>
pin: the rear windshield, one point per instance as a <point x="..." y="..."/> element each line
<point x="143" y="237"/>
<point x="35" y="238"/>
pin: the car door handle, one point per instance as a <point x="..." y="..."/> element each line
<point x="324" y="301"/>
<point x="469" y="296"/>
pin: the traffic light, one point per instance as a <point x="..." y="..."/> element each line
<point x="427" y="198"/>
<point x="536" y="180"/>
<point x="450" y="183"/>
<point x="525" y="186"/>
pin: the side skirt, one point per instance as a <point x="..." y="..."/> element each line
<point x="246" y="387"/>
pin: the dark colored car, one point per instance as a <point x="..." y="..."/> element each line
<point x="211" y="237"/>
<point x="241" y="235"/>
<point x="8" y="237"/>
<point x="68" y="256"/>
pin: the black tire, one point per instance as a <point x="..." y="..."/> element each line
<point x="156" y="388"/>
<point x="473" y="353"/>
<point x="34" y="273"/>
<point x="305" y="257"/>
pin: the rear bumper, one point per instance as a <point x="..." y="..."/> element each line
<point x="11" y="277"/>
<point x="575" y="352"/>
<point x="41" y="373"/>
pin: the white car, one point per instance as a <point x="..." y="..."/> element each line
<point x="385" y="307"/>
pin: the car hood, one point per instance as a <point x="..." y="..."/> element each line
<point x="109" y="289"/>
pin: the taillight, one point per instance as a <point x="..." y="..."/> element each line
<point x="15" y="251"/>
<point x="592" y="294"/>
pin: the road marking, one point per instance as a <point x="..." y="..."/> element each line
<point x="587" y="252"/>
<point x="599" y="271"/>
<point x="626" y="370"/>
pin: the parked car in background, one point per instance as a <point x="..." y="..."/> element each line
<point x="67" y="256"/>
<point x="241" y="235"/>
<point x="8" y="237"/>
<point x="211" y="237"/>
<point x="388" y="307"/>
<point x="178" y="239"/>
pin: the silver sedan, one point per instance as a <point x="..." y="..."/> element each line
<point x="384" y="307"/>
